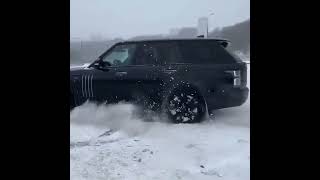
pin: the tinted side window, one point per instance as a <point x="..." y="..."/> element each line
<point x="203" y="52"/>
<point x="167" y="52"/>
<point x="146" y="54"/>
<point x="223" y="56"/>
<point x="156" y="53"/>
<point x="196" y="52"/>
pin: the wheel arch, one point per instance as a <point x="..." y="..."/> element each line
<point x="185" y="85"/>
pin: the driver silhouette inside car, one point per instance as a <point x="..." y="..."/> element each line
<point x="145" y="56"/>
<point x="128" y="60"/>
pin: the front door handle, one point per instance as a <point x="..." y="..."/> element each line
<point x="170" y="71"/>
<point x="121" y="74"/>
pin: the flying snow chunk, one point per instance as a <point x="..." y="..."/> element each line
<point x="185" y="119"/>
<point x="173" y="112"/>
<point x="190" y="97"/>
<point x="195" y="110"/>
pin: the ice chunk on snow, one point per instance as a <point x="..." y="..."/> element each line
<point x="195" y="110"/>
<point x="176" y="98"/>
<point x="173" y="112"/>
<point x="185" y="119"/>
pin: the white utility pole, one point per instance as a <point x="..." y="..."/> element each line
<point x="211" y="14"/>
<point x="203" y="26"/>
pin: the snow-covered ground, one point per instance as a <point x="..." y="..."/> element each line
<point x="217" y="148"/>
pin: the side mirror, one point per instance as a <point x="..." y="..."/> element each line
<point x="101" y="65"/>
<point x="96" y="65"/>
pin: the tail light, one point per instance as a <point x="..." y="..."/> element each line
<point x="236" y="77"/>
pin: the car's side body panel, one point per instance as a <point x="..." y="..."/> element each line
<point x="152" y="83"/>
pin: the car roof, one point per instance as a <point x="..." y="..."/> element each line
<point x="176" y="39"/>
<point x="224" y="42"/>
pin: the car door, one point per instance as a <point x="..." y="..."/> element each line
<point x="141" y="79"/>
<point x="109" y="84"/>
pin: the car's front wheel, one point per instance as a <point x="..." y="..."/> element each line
<point x="185" y="106"/>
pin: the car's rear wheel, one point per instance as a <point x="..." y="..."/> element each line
<point x="185" y="106"/>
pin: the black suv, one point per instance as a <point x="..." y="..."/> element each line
<point x="183" y="78"/>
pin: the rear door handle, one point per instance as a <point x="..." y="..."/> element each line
<point x="169" y="71"/>
<point x="122" y="73"/>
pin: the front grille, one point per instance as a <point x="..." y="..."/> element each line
<point x="76" y="91"/>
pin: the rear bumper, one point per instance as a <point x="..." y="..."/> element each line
<point x="227" y="97"/>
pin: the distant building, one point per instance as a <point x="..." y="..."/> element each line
<point x="96" y="37"/>
<point x="187" y="32"/>
<point x="174" y="31"/>
<point x="203" y="26"/>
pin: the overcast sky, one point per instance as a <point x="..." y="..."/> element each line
<point x="128" y="18"/>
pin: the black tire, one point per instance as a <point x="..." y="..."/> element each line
<point x="185" y="105"/>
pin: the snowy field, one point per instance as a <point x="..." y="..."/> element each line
<point x="218" y="148"/>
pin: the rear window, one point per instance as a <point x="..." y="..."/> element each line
<point x="233" y="54"/>
<point x="203" y="52"/>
